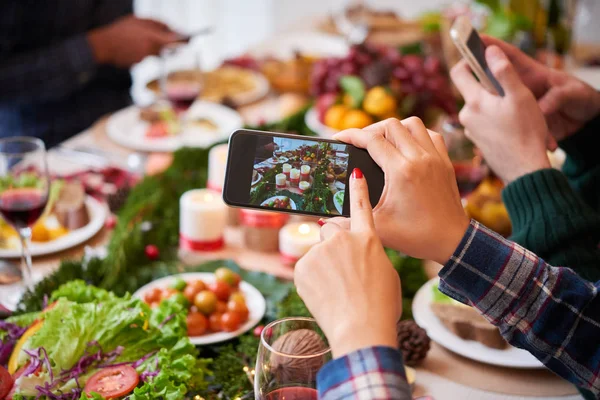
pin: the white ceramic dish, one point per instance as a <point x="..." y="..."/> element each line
<point x="292" y="204"/>
<point x="322" y="130"/>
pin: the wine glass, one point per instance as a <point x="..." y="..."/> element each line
<point x="469" y="167"/>
<point x="352" y="21"/>
<point x="24" y="186"/>
<point x="181" y="80"/>
<point x="291" y="352"/>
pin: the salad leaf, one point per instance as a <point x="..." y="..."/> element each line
<point x="80" y="292"/>
<point x="355" y="87"/>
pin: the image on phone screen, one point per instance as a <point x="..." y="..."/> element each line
<point x="301" y="175"/>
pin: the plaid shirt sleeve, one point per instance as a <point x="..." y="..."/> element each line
<point x="375" y="373"/>
<point x="549" y="311"/>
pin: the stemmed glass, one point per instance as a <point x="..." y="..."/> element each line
<point x="291" y="352"/>
<point x="181" y="80"/>
<point x="351" y="21"/>
<point x="24" y="186"/>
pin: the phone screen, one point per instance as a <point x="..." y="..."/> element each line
<point x="295" y="174"/>
<point x="477" y="47"/>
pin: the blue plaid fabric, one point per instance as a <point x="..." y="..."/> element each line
<point x="551" y="312"/>
<point x="50" y="85"/>
<point x="375" y="373"/>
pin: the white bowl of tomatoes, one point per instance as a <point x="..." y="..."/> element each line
<point x="220" y="305"/>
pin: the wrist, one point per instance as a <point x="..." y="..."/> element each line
<point x="99" y="46"/>
<point x="353" y="338"/>
<point x="534" y="164"/>
<point x="454" y="234"/>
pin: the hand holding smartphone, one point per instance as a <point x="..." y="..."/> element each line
<point x="472" y="48"/>
<point x="295" y="174"/>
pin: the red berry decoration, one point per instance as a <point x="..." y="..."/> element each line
<point x="152" y="252"/>
<point x="111" y="221"/>
<point x="258" y="330"/>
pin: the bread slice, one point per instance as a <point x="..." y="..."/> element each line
<point x="466" y="323"/>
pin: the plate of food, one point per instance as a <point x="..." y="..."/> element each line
<point x="71" y="218"/>
<point x="277" y="160"/>
<point x="220" y="306"/>
<point x="159" y="129"/>
<point x="338" y="200"/>
<point x="280" y="202"/>
<point x="256" y="177"/>
<point x="312" y="121"/>
<point x="237" y="85"/>
<point x="460" y="328"/>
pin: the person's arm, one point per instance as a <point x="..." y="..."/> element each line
<point x="550" y="219"/>
<point x="551" y="312"/>
<point x="370" y="373"/>
<point x="47" y="73"/>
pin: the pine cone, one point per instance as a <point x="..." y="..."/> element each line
<point x="117" y="200"/>
<point x="413" y="342"/>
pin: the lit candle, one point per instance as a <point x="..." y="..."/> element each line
<point x="217" y="161"/>
<point x="303" y="186"/>
<point x="202" y="220"/>
<point x="304" y="172"/>
<point x="286" y="170"/>
<point x="294" y="177"/>
<point x="296" y="239"/>
<point x="280" y="181"/>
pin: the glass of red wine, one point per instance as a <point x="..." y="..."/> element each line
<point x="291" y="352"/>
<point x="181" y="79"/>
<point x="24" y="185"/>
<point x="469" y="166"/>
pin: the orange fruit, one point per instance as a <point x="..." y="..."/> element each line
<point x="334" y="116"/>
<point x="356" y="119"/>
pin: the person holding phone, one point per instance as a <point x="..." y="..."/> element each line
<point x="554" y="214"/>
<point x="551" y="312"/>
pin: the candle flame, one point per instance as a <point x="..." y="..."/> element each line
<point x="304" y="229"/>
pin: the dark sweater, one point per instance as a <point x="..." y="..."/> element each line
<point x="556" y="214"/>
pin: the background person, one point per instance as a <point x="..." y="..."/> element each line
<point x="64" y="64"/>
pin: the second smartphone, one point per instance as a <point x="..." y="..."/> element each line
<point x="295" y="174"/>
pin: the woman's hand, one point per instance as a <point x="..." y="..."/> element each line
<point x="348" y="283"/>
<point x="420" y="212"/>
<point x="567" y="102"/>
<point x="511" y="131"/>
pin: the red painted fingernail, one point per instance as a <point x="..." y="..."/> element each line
<point x="357" y="173"/>
<point x="321" y="222"/>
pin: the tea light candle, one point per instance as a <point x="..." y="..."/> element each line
<point x="217" y="161"/>
<point x="304" y="172"/>
<point x="294" y="177"/>
<point x="280" y="180"/>
<point x="202" y="220"/>
<point x="303" y="186"/>
<point x="286" y="170"/>
<point x="296" y="239"/>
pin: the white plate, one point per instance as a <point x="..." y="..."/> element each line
<point x="97" y="213"/>
<point x="258" y="178"/>
<point x="254" y="300"/>
<point x="339" y="206"/>
<point x="312" y="121"/>
<point x="125" y="128"/>
<point x="280" y="198"/>
<point x="280" y="160"/>
<point x="309" y="43"/>
<point x="509" y="357"/>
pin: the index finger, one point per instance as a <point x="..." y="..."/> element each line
<point x="380" y="149"/>
<point x="465" y="82"/>
<point x="361" y="212"/>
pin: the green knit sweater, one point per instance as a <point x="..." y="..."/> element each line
<point x="557" y="214"/>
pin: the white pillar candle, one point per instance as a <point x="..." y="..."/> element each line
<point x="202" y="220"/>
<point x="286" y="170"/>
<point x="296" y="239"/>
<point x="303" y="186"/>
<point x="217" y="161"/>
<point x="294" y="177"/>
<point x="304" y="172"/>
<point x="280" y="181"/>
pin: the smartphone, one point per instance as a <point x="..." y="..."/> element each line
<point x="295" y="174"/>
<point x="470" y="45"/>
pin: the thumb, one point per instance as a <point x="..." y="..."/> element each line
<point x="502" y="69"/>
<point x="552" y="101"/>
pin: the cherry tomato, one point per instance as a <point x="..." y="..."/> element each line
<point x="153" y="295"/>
<point x="221" y="307"/>
<point x="231" y="321"/>
<point x="238" y="297"/>
<point x="214" y="322"/>
<point x="167" y="292"/>
<point x="6" y="382"/>
<point x="221" y="289"/>
<point x="113" y="382"/>
<point x="226" y="275"/>
<point x="192" y="289"/>
<point x="196" y="323"/>
<point x="206" y="302"/>
<point x="238" y="307"/>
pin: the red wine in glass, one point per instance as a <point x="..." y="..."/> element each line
<point x="468" y="176"/>
<point x="182" y="95"/>
<point x="22" y="207"/>
<point x="293" y="393"/>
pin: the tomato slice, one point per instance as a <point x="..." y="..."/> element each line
<point x="6" y="382"/>
<point x="113" y="382"/>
